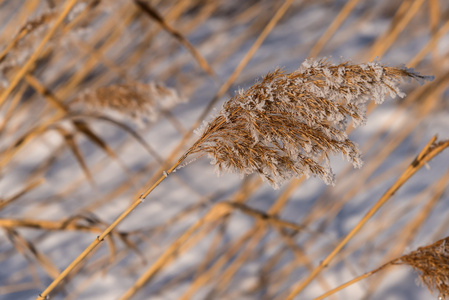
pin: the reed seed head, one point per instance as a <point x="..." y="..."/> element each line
<point x="432" y="265"/>
<point x="137" y="100"/>
<point x="288" y="124"/>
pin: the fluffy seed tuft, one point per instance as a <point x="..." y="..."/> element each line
<point x="288" y="124"/>
<point x="432" y="264"/>
<point x="137" y="100"/>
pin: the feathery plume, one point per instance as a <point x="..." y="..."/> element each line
<point x="289" y="123"/>
<point x="137" y="100"/>
<point x="432" y="264"/>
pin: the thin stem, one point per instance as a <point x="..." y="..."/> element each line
<point x="152" y="12"/>
<point x="216" y="212"/>
<point x="428" y="152"/>
<point x="341" y="17"/>
<point x="108" y="230"/>
<point x="357" y="279"/>
<point x="105" y="233"/>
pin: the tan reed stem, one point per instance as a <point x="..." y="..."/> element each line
<point x="265" y="217"/>
<point x="46" y="225"/>
<point x="153" y="13"/>
<point x="357" y="279"/>
<point x="108" y="230"/>
<point x="105" y="233"/>
<point x="336" y="23"/>
<point x="31" y="185"/>
<point x="216" y="212"/>
<point x="384" y="43"/>
<point x="428" y="152"/>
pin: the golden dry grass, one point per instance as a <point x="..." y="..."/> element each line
<point x="71" y="161"/>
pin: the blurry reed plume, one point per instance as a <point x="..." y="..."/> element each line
<point x="288" y="124"/>
<point x="138" y="100"/>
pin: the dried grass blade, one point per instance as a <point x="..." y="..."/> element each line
<point x="264" y="217"/>
<point x="30" y="186"/>
<point x="333" y="27"/>
<point x="135" y="135"/>
<point x="215" y="213"/>
<point x="26" y="138"/>
<point x="46" y="225"/>
<point x="351" y="282"/>
<point x="154" y="14"/>
<point x="384" y="43"/>
<point x="24" y="247"/>
<point x="84" y="128"/>
<point x="69" y="140"/>
<point x="46" y="93"/>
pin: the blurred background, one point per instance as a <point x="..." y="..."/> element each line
<point x="68" y="172"/>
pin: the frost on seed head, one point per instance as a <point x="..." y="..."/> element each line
<point x="287" y="124"/>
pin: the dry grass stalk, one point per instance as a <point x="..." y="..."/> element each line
<point x="262" y="216"/>
<point x="28" y="249"/>
<point x="215" y="213"/>
<point x="403" y="19"/>
<point x="137" y="100"/>
<point x="333" y="27"/>
<point x="153" y="13"/>
<point x="286" y="124"/>
<point x="202" y="276"/>
<point x="27" y="188"/>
